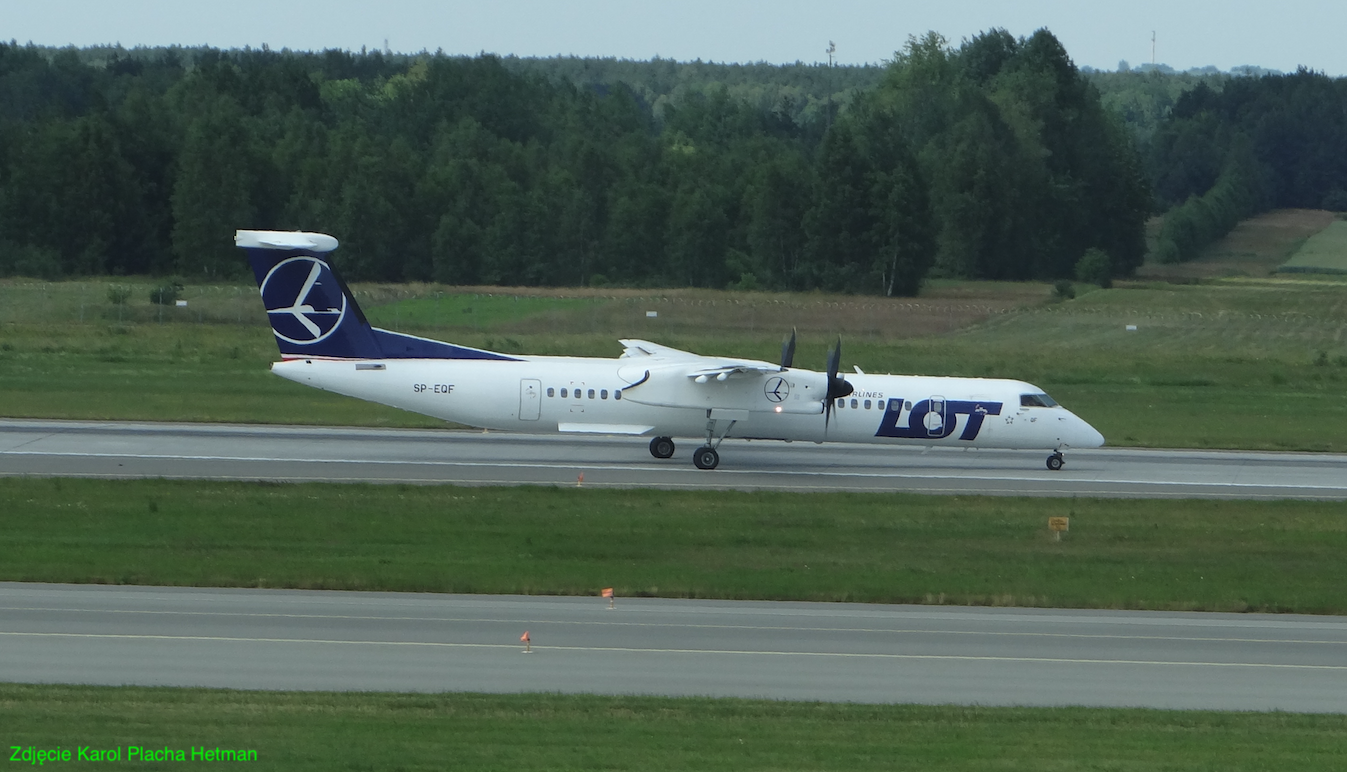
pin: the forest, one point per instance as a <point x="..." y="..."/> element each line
<point x="997" y="158"/>
<point x="1255" y="144"/>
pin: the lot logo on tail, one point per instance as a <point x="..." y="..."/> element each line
<point x="304" y="301"/>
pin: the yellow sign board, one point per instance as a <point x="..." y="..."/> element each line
<point x="1059" y="523"/>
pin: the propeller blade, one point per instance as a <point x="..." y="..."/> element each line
<point x="837" y="387"/>
<point x="788" y="350"/>
<point x="834" y="361"/>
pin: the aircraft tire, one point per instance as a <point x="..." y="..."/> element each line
<point x="706" y="457"/>
<point x="662" y="447"/>
<point x="1055" y="461"/>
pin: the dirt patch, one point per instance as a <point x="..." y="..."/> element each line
<point x="1256" y="247"/>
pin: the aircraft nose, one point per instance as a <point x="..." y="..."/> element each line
<point x="1088" y="436"/>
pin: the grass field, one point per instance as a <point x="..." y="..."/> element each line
<point x="1324" y="252"/>
<point x="1271" y="353"/>
<point x="362" y="731"/>
<point x="899" y="548"/>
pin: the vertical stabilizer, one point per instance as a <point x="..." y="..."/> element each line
<point x="312" y="311"/>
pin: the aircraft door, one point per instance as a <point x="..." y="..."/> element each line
<point x="530" y="399"/>
<point x="935" y="417"/>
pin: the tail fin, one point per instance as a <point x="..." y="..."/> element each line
<point x="313" y="312"/>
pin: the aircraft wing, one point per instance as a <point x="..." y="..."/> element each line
<point x="695" y="366"/>
<point x="668" y="377"/>
<point x="636" y="349"/>
<point x="730" y="370"/>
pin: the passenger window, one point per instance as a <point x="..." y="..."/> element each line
<point x="906" y="405"/>
<point x="879" y="405"/>
<point x="841" y="403"/>
<point x="603" y="394"/>
<point x="551" y="392"/>
<point x="591" y="394"/>
<point x="854" y="404"/>
<point x="563" y="393"/>
<point x="867" y="404"/>
<point x="617" y="394"/>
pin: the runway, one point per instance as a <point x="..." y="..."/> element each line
<point x="310" y="640"/>
<point x="203" y="451"/>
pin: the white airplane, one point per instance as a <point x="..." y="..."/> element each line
<point x="650" y="391"/>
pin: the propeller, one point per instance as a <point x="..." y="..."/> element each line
<point x="788" y="351"/>
<point x="837" y="387"/>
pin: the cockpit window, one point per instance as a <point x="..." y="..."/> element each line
<point x="1037" y="400"/>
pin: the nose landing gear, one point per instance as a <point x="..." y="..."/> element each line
<point x="1055" y="461"/>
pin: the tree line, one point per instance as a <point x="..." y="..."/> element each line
<point x="1252" y="145"/>
<point x="992" y="159"/>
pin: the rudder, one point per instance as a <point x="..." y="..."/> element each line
<point x="312" y="311"/>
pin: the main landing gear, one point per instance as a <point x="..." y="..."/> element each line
<point x="1055" y="461"/>
<point x="705" y="457"/>
<point x="662" y="447"/>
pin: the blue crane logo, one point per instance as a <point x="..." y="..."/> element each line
<point x="304" y="302"/>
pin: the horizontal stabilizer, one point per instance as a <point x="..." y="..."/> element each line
<point x="287" y="240"/>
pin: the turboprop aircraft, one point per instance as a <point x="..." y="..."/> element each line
<point x="650" y="391"/>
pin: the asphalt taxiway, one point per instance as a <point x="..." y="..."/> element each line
<point x="202" y="451"/>
<point x="314" y="640"/>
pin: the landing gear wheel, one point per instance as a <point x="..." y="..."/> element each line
<point x="662" y="447"/>
<point x="706" y="457"/>
<point x="1055" y="461"/>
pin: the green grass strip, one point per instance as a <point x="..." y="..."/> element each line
<point x="893" y="548"/>
<point x="1324" y="251"/>
<point x="1253" y="364"/>
<point x="441" y="311"/>
<point x="362" y="731"/>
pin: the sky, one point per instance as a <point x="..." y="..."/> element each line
<point x="1279" y="35"/>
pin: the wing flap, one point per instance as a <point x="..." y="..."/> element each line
<point x="572" y="428"/>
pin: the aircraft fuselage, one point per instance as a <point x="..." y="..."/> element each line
<point x="546" y="395"/>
